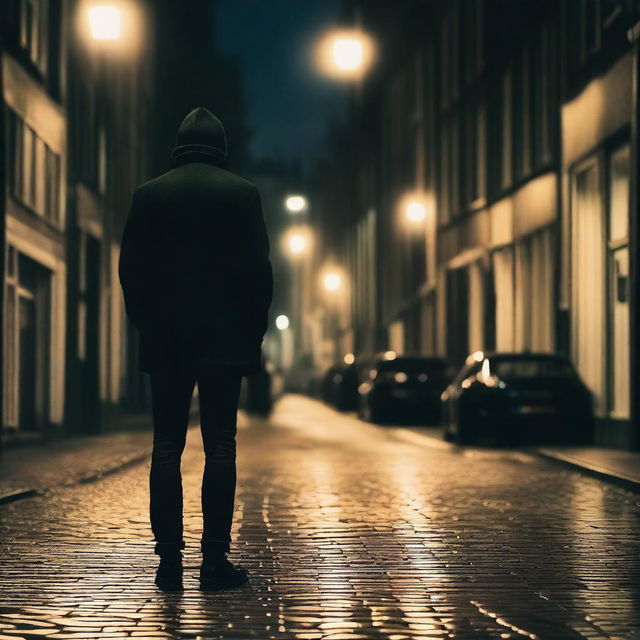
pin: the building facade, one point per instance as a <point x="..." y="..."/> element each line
<point x="84" y="122"/>
<point x="510" y="125"/>
<point x="34" y="216"/>
<point x="74" y="144"/>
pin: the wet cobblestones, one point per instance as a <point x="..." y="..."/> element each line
<point x="348" y="533"/>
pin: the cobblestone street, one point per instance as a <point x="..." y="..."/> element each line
<point x="349" y="531"/>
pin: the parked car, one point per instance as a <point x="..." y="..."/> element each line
<point x="518" y="398"/>
<point x="339" y="386"/>
<point x="327" y="382"/>
<point x="261" y="389"/>
<point x="402" y="389"/>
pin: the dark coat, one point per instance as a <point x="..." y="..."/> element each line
<point x="194" y="260"/>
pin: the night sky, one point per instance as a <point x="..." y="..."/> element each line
<point x="289" y="101"/>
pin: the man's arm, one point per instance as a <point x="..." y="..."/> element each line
<point x="261" y="291"/>
<point x="133" y="263"/>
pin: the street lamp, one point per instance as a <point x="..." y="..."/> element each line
<point x="414" y="208"/>
<point x="282" y="322"/>
<point x="332" y="281"/>
<point x="295" y="203"/>
<point x="345" y="54"/>
<point x="415" y="211"/>
<point x="113" y="26"/>
<point x="297" y="243"/>
<point x="105" y="21"/>
<point x="297" y="240"/>
<point x="348" y="54"/>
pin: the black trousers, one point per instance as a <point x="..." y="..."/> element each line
<point x="172" y="389"/>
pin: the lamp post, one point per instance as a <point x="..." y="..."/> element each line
<point x="333" y="283"/>
<point x="286" y="343"/>
<point x="297" y="243"/>
<point x="116" y="26"/>
<point x="105" y="21"/>
<point x="296" y="204"/>
<point x="345" y="54"/>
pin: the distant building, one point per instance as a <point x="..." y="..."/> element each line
<point x="510" y="124"/>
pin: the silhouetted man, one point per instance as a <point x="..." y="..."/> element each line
<point x="197" y="281"/>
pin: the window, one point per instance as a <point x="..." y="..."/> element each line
<point x="618" y="298"/>
<point x="445" y="176"/>
<point x="15" y="142"/>
<point x="476" y="164"/>
<point x="34" y="170"/>
<point x="455" y="175"/>
<point x="27" y="194"/>
<point x="102" y="160"/>
<point x="52" y="198"/>
<point x="523" y="367"/>
<point x="525" y="120"/>
<point x="445" y="70"/>
<point x="619" y="202"/>
<point x="544" y="73"/>
<point x="590" y="27"/>
<point x="34" y="24"/>
<point x="507" y="128"/>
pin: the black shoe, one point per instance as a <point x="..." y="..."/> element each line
<point x="219" y="573"/>
<point x="169" y="573"/>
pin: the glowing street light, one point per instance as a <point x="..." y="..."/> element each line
<point x="415" y="208"/>
<point x="415" y="211"/>
<point x="296" y="203"/>
<point x="297" y="243"/>
<point x="282" y="322"/>
<point x="105" y="21"/>
<point x="332" y="281"/>
<point x="297" y="240"/>
<point x="348" y="54"/>
<point x="345" y="54"/>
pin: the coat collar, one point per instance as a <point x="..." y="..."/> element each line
<point x="197" y="153"/>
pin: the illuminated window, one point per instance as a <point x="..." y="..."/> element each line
<point x="34" y="20"/>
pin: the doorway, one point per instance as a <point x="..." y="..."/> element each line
<point x="32" y="343"/>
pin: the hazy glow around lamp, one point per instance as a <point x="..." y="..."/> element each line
<point x="282" y="322"/>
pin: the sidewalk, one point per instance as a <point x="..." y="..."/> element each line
<point x="618" y="466"/>
<point x="614" y="465"/>
<point x="32" y="469"/>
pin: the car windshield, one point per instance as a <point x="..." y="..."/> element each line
<point x="507" y="368"/>
<point x="414" y="365"/>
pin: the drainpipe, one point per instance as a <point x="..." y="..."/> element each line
<point x="634" y="244"/>
<point x="3" y="196"/>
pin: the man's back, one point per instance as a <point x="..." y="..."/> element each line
<point x="195" y="263"/>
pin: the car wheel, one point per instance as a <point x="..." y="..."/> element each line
<point x="447" y="422"/>
<point x="465" y="428"/>
<point x="374" y="414"/>
<point x="364" y="411"/>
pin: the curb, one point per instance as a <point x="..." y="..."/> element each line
<point x="620" y="480"/>
<point x="623" y="481"/>
<point x="109" y="470"/>
<point x="18" y="495"/>
<point x="93" y="477"/>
